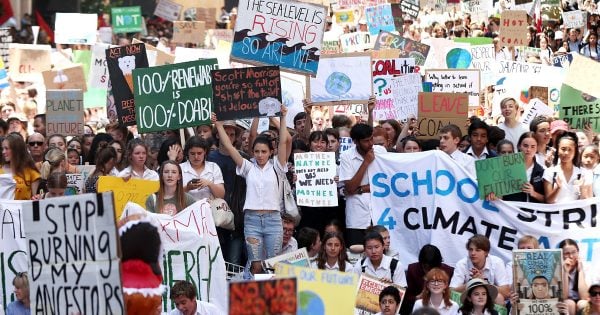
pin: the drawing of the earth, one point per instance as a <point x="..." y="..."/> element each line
<point x="338" y="84"/>
<point x="310" y="304"/>
<point x="458" y="58"/>
<point x="419" y="58"/>
<point x="287" y="98"/>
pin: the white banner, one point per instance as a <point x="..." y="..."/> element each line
<point x="13" y="248"/>
<point x="191" y="252"/>
<point x="427" y="198"/>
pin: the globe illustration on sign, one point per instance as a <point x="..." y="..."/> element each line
<point x="338" y="84"/>
<point x="310" y="304"/>
<point x="419" y="58"/>
<point x="458" y="58"/>
<point x="287" y="98"/>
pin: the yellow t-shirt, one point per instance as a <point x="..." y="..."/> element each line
<point x="23" y="184"/>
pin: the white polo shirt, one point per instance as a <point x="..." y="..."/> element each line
<point x="383" y="271"/>
<point x="202" y="308"/>
<point x="494" y="272"/>
<point x="211" y="172"/>
<point x="358" y="207"/>
<point x="263" y="191"/>
<point x="148" y="174"/>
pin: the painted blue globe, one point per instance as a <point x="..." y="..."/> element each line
<point x="338" y="84"/>
<point x="458" y="58"/>
<point x="310" y="304"/>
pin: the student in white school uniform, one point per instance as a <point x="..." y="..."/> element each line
<point x="450" y="136"/>
<point x="135" y="157"/>
<point x="378" y="265"/>
<point x="183" y="294"/>
<point x="333" y="253"/>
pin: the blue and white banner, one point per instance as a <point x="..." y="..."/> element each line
<point x="427" y="198"/>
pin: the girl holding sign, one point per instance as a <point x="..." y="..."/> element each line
<point x="263" y="228"/>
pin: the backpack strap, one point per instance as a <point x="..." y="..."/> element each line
<point x="393" y="266"/>
<point x="362" y="264"/>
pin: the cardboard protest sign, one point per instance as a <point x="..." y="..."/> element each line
<point x="213" y="36"/>
<point x="84" y="279"/>
<point x="408" y="47"/>
<point x="274" y="296"/>
<point x="405" y="93"/>
<point x="162" y="58"/>
<point x="345" y="77"/>
<point x="173" y="96"/>
<point x="456" y="81"/>
<point x="502" y="175"/>
<point x="330" y="47"/>
<point x="168" y="9"/>
<point x="208" y="16"/>
<point x="13" y="248"/>
<point x="298" y="258"/>
<point x="583" y="74"/>
<point x="5" y="39"/>
<point x="27" y="62"/>
<point x="513" y="28"/>
<point x="127" y="19"/>
<point x="563" y="60"/>
<point x="75" y="185"/>
<point x="75" y="28"/>
<point x="293" y="46"/>
<point x="188" y="32"/>
<point x="121" y="61"/>
<point x="573" y="19"/>
<point x="538" y="279"/>
<point x="246" y="92"/>
<point x="383" y="72"/>
<point x="437" y="110"/>
<point x="367" y="296"/>
<point x="379" y="18"/>
<point x="345" y="144"/>
<point x="134" y="190"/>
<point x="322" y="292"/>
<point x="64" y="112"/>
<point x="410" y="8"/>
<point x="65" y="78"/>
<point x="292" y="94"/>
<point x="191" y="251"/>
<point x="355" y="42"/>
<point x="315" y="186"/>
<point x="535" y="108"/>
<point x="343" y="17"/>
<point x="98" y="77"/>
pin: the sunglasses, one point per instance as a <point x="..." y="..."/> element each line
<point x="34" y="143"/>
<point x="595" y="293"/>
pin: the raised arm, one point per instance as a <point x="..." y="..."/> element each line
<point x="233" y="152"/>
<point x="283" y="149"/>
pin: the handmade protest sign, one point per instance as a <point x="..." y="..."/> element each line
<point x="502" y="175"/>
<point x="134" y="190"/>
<point x="274" y="296"/>
<point x="168" y="10"/>
<point x="563" y="60"/>
<point x="583" y="73"/>
<point x="5" y="39"/>
<point x="355" y="42"/>
<point x="13" y="248"/>
<point x="384" y="70"/>
<point x="127" y="19"/>
<point x="98" y="77"/>
<point x="64" y="112"/>
<point x="213" y="36"/>
<point x="573" y="19"/>
<point x="67" y="278"/>
<point x="298" y="258"/>
<point x="344" y="77"/>
<point x="84" y="31"/>
<point x="513" y="28"/>
<point x="535" y="108"/>
<point x="121" y="61"/>
<point x="455" y="81"/>
<point x="408" y="47"/>
<point x="367" y="296"/>
<point x="437" y="110"/>
<point x="173" y="96"/>
<point x="315" y="186"/>
<point x="191" y="251"/>
<point x="75" y="185"/>
<point x="246" y="92"/>
<point x="65" y="78"/>
<point x="379" y="18"/>
<point x="27" y="62"/>
<point x="330" y="47"/>
<point x="345" y="144"/>
<point x="343" y="17"/>
<point x="208" y="16"/>
<point x="279" y="32"/>
<point x="322" y="292"/>
<point x="405" y="93"/>
<point x="188" y="32"/>
<point x="162" y="58"/>
<point x="579" y="109"/>
<point x="428" y="198"/>
<point x="538" y="280"/>
<point x="409" y="8"/>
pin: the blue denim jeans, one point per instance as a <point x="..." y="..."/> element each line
<point x="263" y="233"/>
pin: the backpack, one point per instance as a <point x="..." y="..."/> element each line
<point x="393" y="266"/>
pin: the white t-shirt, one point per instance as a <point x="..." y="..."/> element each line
<point x="494" y="272"/>
<point x="202" y="308"/>
<point x="442" y="309"/>
<point x="567" y="191"/>
<point x="263" y="191"/>
<point x="513" y="134"/>
<point x="148" y="174"/>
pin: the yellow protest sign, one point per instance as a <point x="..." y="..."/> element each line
<point x="134" y="190"/>
<point x="322" y="291"/>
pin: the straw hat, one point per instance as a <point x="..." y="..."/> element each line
<point x="476" y="282"/>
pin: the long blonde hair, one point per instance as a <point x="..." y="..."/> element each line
<point x="52" y="160"/>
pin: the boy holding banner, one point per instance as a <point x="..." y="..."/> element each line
<point x="450" y="136"/>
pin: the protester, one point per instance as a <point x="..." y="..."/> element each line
<point x="533" y="189"/>
<point x="135" y="159"/>
<point x="478" y="298"/>
<point x="21" y="304"/>
<point x="505" y="147"/>
<point x="592" y="306"/>
<point x="385" y="234"/>
<point x="577" y="276"/>
<point x="333" y="253"/>
<point x="171" y="197"/>
<point x="37" y="147"/>
<point x="289" y="243"/>
<point x="590" y="157"/>
<point x="19" y="163"/>
<point x="201" y="178"/>
<point x="478" y="133"/>
<point x="56" y="185"/>
<point x="310" y="239"/>
<point x="436" y="293"/>
<point x="450" y="136"/>
<point x="410" y="144"/>
<point x="545" y="153"/>
<point x="119" y="149"/>
<point x="54" y="161"/>
<point x="389" y="300"/>
<point x="105" y="163"/>
<point x="183" y="294"/>
<point x="512" y="127"/>
<point x="377" y="264"/>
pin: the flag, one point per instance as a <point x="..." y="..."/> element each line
<point x="536" y="13"/>
<point x="6" y="11"/>
<point x="44" y="26"/>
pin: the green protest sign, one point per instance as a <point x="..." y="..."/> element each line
<point x="173" y="96"/>
<point x="127" y="19"/>
<point x="579" y="109"/>
<point x="503" y="175"/>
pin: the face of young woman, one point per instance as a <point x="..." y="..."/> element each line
<point x="374" y="250"/>
<point x="566" y="150"/>
<point x="505" y="149"/>
<point x="411" y="146"/>
<point x="119" y="150"/>
<point x="589" y="158"/>
<point x="109" y="165"/>
<point x="542" y="135"/>
<point x="73" y="158"/>
<point x="318" y="145"/>
<point x="332" y="143"/>
<point x="170" y="175"/>
<point x="138" y="156"/>
<point x="528" y="147"/>
<point x="6" y="151"/>
<point x="262" y="153"/>
<point x="479" y="296"/>
<point x="75" y="145"/>
<point x="196" y="156"/>
<point x="436" y="286"/>
<point x="333" y="246"/>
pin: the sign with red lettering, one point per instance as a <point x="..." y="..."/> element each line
<point x="513" y="28"/>
<point x="64" y="112"/>
<point x="383" y="72"/>
<point x="275" y="296"/>
<point x="437" y="110"/>
<point x="120" y="62"/>
<point x="28" y="61"/>
<point x="282" y="33"/>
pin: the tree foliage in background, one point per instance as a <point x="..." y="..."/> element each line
<point x="95" y="6"/>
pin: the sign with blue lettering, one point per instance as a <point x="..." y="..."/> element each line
<point x="281" y="33"/>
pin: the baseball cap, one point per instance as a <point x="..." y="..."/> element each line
<point x="558" y="125"/>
